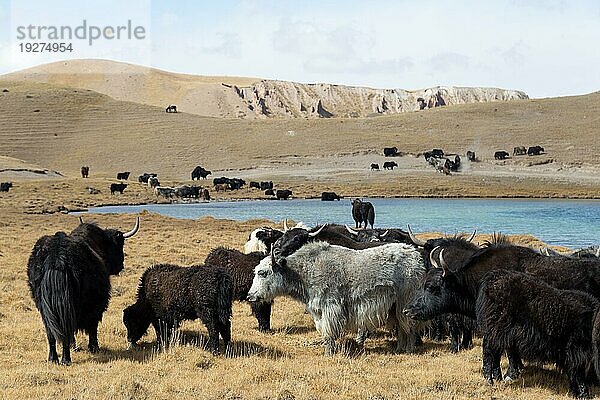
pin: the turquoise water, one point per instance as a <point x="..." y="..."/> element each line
<point x="573" y="223"/>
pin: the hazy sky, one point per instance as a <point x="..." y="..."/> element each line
<point x="545" y="48"/>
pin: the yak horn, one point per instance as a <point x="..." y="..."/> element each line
<point x="385" y="233"/>
<point x="414" y="239"/>
<point x="352" y="231"/>
<point x="431" y="259"/>
<point x="472" y="236"/>
<point x="313" y="234"/>
<point x="285" y="226"/>
<point x="81" y="220"/>
<point x="443" y="263"/>
<point x="134" y="230"/>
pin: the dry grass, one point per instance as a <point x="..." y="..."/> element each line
<point x="283" y="365"/>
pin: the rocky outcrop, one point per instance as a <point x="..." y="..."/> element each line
<point x="268" y="98"/>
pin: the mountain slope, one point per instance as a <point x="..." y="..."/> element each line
<point x="234" y="97"/>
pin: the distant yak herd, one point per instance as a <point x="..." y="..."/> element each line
<point x="447" y="163"/>
<point x="530" y="305"/>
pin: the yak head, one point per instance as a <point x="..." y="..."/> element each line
<point x="262" y="240"/>
<point x="291" y="241"/>
<point x="439" y="294"/>
<point x="107" y="243"/>
<point x="136" y="320"/>
<point x="267" y="283"/>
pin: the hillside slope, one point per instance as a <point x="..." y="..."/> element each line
<point x="63" y="128"/>
<point x="235" y="97"/>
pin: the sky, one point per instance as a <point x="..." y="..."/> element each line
<point x="545" y="48"/>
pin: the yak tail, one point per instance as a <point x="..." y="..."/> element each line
<point x="57" y="304"/>
<point x="596" y="341"/>
<point x="224" y="296"/>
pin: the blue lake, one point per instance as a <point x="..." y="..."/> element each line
<point x="572" y="223"/>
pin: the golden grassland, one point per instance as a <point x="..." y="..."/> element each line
<point x="285" y="364"/>
<point x="63" y="128"/>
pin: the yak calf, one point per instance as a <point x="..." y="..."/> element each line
<point x="169" y="294"/>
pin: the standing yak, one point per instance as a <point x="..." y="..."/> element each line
<point x="363" y="212"/>
<point x="68" y="275"/>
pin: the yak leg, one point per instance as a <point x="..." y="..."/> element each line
<point x="330" y="346"/>
<point x="467" y="339"/>
<point x="455" y="333"/>
<point x="578" y="386"/>
<point x="93" y="346"/>
<point x="213" y="335"/>
<point x="225" y="331"/>
<point x="361" y="336"/>
<point x="491" y="362"/>
<point x="66" y="351"/>
<point x="262" y="312"/>
<point x="52" y="354"/>
<point x="514" y="364"/>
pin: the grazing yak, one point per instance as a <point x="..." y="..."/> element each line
<point x="5" y="186"/>
<point x="329" y="196"/>
<point x="153" y="182"/>
<point x="200" y="172"/>
<point x="519" y="151"/>
<point x="171" y="108"/>
<point x="363" y="212"/>
<point x="535" y="151"/>
<point x="123" y="175"/>
<point x="169" y="294"/>
<point x="375" y="167"/>
<point x="346" y="290"/>
<point x="390" y="235"/>
<point x="69" y="280"/>
<point x="145" y="176"/>
<point x="471" y="156"/>
<point x="390" y="165"/>
<point x="501" y="155"/>
<point x="390" y="151"/>
<point x="266" y="185"/>
<point x="230" y="183"/>
<point x="254" y="184"/>
<point x="241" y="268"/>
<point x="269" y="192"/>
<point x="283" y="194"/>
<point x="85" y="171"/>
<point x="519" y="313"/>
<point x="164" y="191"/>
<point x="117" y="187"/>
<point x="448" y="289"/>
<point x="187" y="191"/>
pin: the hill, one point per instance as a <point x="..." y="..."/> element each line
<point x="235" y="97"/>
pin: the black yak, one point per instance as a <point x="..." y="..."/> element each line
<point x="517" y="312"/>
<point x="68" y="276"/>
<point x="241" y="268"/>
<point x="117" y="187"/>
<point x="85" y="171"/>
<point x="169" y="294"/>
<point x="363" y="212"/>
<point x="123" y="175"/>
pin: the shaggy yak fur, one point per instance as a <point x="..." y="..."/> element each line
<point x="169" y="294"/>
<point x="347" y="290"/>
<point x="68" y="276"/>
<point x="458" y="327"/>
<point x="455" y="290"/>
<point x="241" y="268"/>
<point x="518" y="312"/>
<point x="261" y="240"/>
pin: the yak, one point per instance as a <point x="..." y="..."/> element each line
<point x="5" y="186"/>
<point x="456" y="250"/>
<point x="519" y="151"/>
<point x="375" y="166"/>
<point x="241" y="268"/>
<point x="283" y="194"/>
<point x="535" y="150"/>
<point x="519" y="313"/>
<point x="168" y="294"/>
<point x="68" y="276"/>
<point x="455" y="290"/>
<point x="329" y="196"/>
<point x="501" y="155"/>
<point x="390" y="151"/>
<point x="145" y="176"/>
<point x="117" y="187"/>
<point x="200" y="172"/>
<point x="363" y="212"/>
<point x="390" y="165"/>
<point x="85" y="171"/>
<point x="346" y="290"/>
<point x="471" y="156"/>
<point x="123" y="175"/>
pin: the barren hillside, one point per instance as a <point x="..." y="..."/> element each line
<point x="235" y="97"/>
